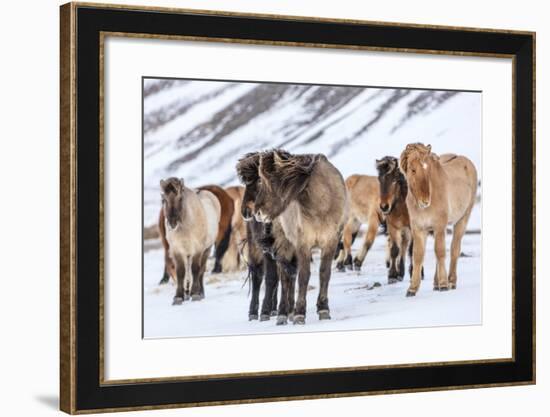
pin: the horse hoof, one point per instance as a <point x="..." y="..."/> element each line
<point x="265" y="317"/>
<point x="357" y="268"/>
<point x="299" y="319"/>
<point x="164" y="280"/>
<point x="392" y="280"/>
<point x="186" y="297"/>
<point x="324" y="315"/>
<point x="217" y="269"/>
<point x="177" y="301"/>
<point x="340" y="267"/>
<point x="441" y="289"/>
<point x="411" y="293"/>
<point x="274" y="313"/>
<point x="291" y="316"/>
<point x="196" y="297"/>
<point x="252" y="317"/>
<point x="281" y="320"/>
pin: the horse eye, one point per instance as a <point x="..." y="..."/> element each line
<point x="413" y="171"/>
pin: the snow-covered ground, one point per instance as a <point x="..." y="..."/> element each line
<point x="353" y="306"/>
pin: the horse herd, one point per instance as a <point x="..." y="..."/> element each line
<point x="290" y="204"/>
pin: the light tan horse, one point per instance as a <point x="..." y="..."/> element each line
<point x="191" y="223"/>
<point x="364" y="197"/>
<point x="232" y="258"/>
<point x="442" y="191"/>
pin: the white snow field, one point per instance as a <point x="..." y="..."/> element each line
<point x="197" y="130"/>
<point x="224" y="310"/>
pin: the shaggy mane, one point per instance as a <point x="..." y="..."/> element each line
<point x="287" y="173"/>
<point x="247" y="167"/>
<point x="413" y="150"/>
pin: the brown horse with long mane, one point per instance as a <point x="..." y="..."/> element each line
<point x="442" y="190"/>
<point x="393" y="194"/>
<point x="307" y="194"/>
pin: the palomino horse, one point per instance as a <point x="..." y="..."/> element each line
<point x="191" y="224"/>
<point x="364" y="197"/>
<point x="232" y="258"/>
<point x="393" y="193"/>
<point x="266" y="245"/>
<point x="222" y="238"/>
<point x="442" y="190"/>
<point x="308" y="196"/>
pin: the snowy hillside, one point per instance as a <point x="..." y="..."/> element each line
<point x="197" y="130"/>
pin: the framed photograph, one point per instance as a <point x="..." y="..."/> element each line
<point x="265" y="208"/>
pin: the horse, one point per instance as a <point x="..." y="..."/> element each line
<point x="225" y="225"/>
<point x="232" y="258"/>
<point x="307" y="194"/>
<point x="266" y="246"/>
<point x="442" y="191"/>
<point x="191" y="223"/>
<point x="364" y="197"/>
<point x="222" y="238"/>
<point x="393" y="193"/>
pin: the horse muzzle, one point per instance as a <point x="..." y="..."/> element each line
<point x="262" y="217"/>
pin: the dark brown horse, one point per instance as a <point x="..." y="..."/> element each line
<point x="307" y="195"/>
<point x="268" y="252"/>
<point x="222" y="238"/>
<point x="393" y="193"/>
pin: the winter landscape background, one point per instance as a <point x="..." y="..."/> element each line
<point x="197" y="130"/>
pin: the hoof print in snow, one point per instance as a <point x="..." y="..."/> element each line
<point x="177" y="301"/>
<point x="324" y="315"/>
<point x="410" y="293"/>
<point x="265" y="317"/>
<point x="299" y="319"/>
<point x="252" y="317"/>
<point x="281" y="320"/>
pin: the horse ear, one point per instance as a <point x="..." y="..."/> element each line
<point x="429" y="148"/>
<point x="162" y="185"/>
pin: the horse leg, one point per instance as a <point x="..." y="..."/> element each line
<point x="405" y="240"/>
<point x="369" y="239"/>
<point x="283" y="310"/>
<point x="274" y="298"/>
<point x="180" y="276"/>
<point x="292" y="293"/>
<point x="324" y="277"/>
<point x="220" y="249"/>
<point x="345" y="251"/>
<point x="395" y="239"/>
<point x="411" y="248"/>
<point x="197" y="269"/>
<point x="188" y="280"/>
<point x="304" y="272"/>
<point x="458" y="233"/>
<point x="270" y="268"/>
<point x="255" y="273"/>
<point x="441" y="282"/>
<point x="419" y="237"/>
